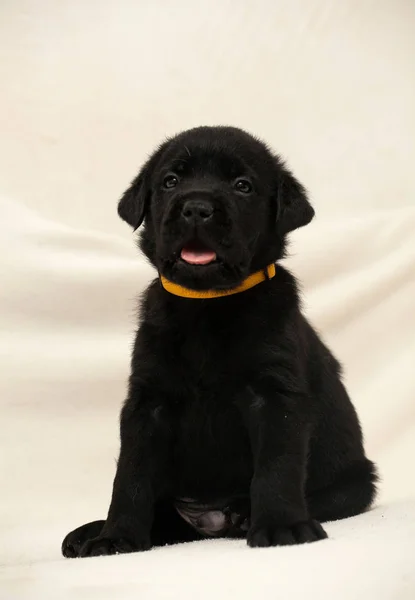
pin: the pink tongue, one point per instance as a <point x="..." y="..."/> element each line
<point x="198" y="257"/>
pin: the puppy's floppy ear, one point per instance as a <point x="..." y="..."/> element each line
<point x="134" y="203"/>
<point x="294" y="209"/>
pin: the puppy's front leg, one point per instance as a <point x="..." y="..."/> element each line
<point x="278" y="431"/>
<point x="142" y="476"/>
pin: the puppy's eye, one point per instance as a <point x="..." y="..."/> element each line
<point x="243" y="185"/>
<point x="170" y="181"/>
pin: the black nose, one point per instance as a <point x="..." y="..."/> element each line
<point x="197" y="210"/>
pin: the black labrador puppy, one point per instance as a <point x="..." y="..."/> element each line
<point x="236" y="423"/>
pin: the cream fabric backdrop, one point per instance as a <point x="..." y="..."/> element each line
<point x="88" y="88"/>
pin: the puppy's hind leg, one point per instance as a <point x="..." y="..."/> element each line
<point x="352" y="492"/>
<point x="168" y="528"/>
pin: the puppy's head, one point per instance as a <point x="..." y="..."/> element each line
<point x="216" y="205"/>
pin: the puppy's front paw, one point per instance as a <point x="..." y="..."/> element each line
<point x="265" y="535"/>
<point x="104" y="546"/>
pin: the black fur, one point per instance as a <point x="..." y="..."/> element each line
<point x="234" y="402"/>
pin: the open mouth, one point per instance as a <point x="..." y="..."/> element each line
<point x="196" y="253"/>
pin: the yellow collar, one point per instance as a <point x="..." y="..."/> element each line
<point x="248" y="283"/>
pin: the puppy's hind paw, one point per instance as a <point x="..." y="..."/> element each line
<point x="74" y="541"/>
<point x="105" y="546"/>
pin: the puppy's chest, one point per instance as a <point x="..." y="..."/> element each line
<point x="208" y="357"/>
<point x="212" y="450"/>
<point x="207" y="367"/>
<point x="203" y="360"/>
